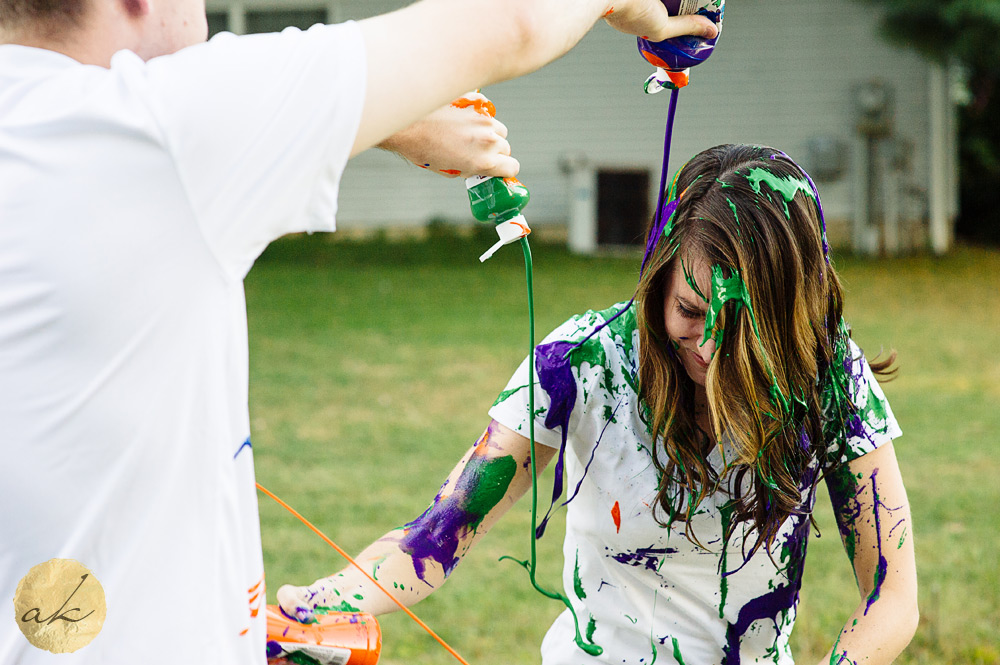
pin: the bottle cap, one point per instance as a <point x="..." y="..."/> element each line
<point x="510" y="231"/>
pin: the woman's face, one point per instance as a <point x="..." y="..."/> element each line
<point x="684" y="315"/>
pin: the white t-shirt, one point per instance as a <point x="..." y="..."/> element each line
<point x="133" y="201"/>
<point x="643" y="592"/>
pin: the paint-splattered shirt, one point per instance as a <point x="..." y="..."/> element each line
<point x="642" y="592"/>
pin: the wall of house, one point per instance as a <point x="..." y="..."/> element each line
<point x="782" y="75"/>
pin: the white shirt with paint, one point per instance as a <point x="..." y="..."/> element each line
<point x="643" y="592"/>
<point x="133" y="201"/>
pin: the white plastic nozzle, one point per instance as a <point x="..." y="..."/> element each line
<point x="510" y="231"/>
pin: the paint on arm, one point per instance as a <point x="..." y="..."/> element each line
<point x="456" y="515"/>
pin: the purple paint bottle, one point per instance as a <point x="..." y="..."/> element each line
<point x="680" y="53"/>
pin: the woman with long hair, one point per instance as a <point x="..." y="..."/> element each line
<point x="693" y="427"/>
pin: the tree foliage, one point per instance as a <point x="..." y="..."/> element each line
<point x="967" y="32"/>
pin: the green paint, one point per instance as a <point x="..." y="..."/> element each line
<point x="591" y="627"/>
<point x="902" y="539"/>
<point x="494" y="476"/>
<point x="880" y="575"/>
<point x="843" y="486"/>
<point x="634" y="621"/>
<point x="736" y="216"/>
<point x="609" y="414"/>
<point x="577" y="582"/>
<point x="652" y="641"/>
<point x="677" y="651"/>
<point x="874" y="411"/>
<point x="497" y="200"/>
<point x="726" y="513"/>
<point x="689" y="278"/>
<point x="378" y="562"/>
<point x="358" y="596"/>
<point x="725" y="289"/>
<point x="343" y="607"/>
<point x="300" y="658"/>
<point x="507" y="393"/>
<point x="786" y="187"/>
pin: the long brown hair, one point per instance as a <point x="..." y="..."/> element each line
<point x="776" y="385"/>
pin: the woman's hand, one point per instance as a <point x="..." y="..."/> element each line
<point x="873" y="514"/>
<point x="415" y="559"/>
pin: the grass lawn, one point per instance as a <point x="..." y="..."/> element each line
<point x="373" y="365"/>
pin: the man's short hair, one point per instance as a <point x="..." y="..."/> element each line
<point x="52" y="16"/>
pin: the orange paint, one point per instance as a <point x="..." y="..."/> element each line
<point x="653" y="59"/>
<point x="483" y="444"/>
<point x="481" y="106"/>
<point x="357" y="632"/>
<point x="609" y="12"/>
<point x="680" y="79"/>
<point x="524" y="229"/>
<point x="513" y="181"/>
<point x="616" y="515"/>
<point x="450" y="171"/>
<point x="256" y="593"/>
<point x="244" y="632"/>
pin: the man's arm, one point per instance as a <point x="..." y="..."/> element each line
<point x="413" y="561"/>
<point x="425" y="55"/>
<point x="873" y="514"/>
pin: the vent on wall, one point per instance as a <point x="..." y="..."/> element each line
<point x="622" y="206"/>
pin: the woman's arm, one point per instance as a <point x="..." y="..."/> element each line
<point x="873" y="515"/>
<point x="414" y="560"/>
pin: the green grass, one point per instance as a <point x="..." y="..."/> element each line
<point x="373" y="365"/>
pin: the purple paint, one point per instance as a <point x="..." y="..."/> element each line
<point x="593" y="452"/>
<point x="245" y="444"/>
<point x="273" y="649"/>
<point x="883" y="566"/>
<point x="555" y="376"/>
<point x="679" y="53"/>
<point x="645" y="557"/>
<point x="437" y="533"/>
<point x="772" y="604"/>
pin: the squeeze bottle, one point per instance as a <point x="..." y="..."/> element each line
<point x="337" y="638"/>
<point x="499" y="201"/>
<point x="679" y="53"/>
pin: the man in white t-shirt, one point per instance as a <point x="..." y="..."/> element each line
<point x="142" y="171"/>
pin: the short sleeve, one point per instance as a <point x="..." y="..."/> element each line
<point x="873" y="424"/>
<point x="567" y="384"/>
<point x="260" y="128"/>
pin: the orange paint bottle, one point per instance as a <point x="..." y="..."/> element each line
<point x="337" y="638"/>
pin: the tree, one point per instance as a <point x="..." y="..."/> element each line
<point x="966" y="31"/>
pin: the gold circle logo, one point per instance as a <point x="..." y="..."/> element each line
<point x="59" y="606"/>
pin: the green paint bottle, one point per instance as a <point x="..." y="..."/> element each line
<point x="499" y="201"/>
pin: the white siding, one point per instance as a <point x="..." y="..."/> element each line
<point x="782" y="73"/>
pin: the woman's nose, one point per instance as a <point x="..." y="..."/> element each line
<point x="706" y="349"/>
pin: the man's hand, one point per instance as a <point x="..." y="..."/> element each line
<point x="650" y="20"/>
<point x="461" y="139"/>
